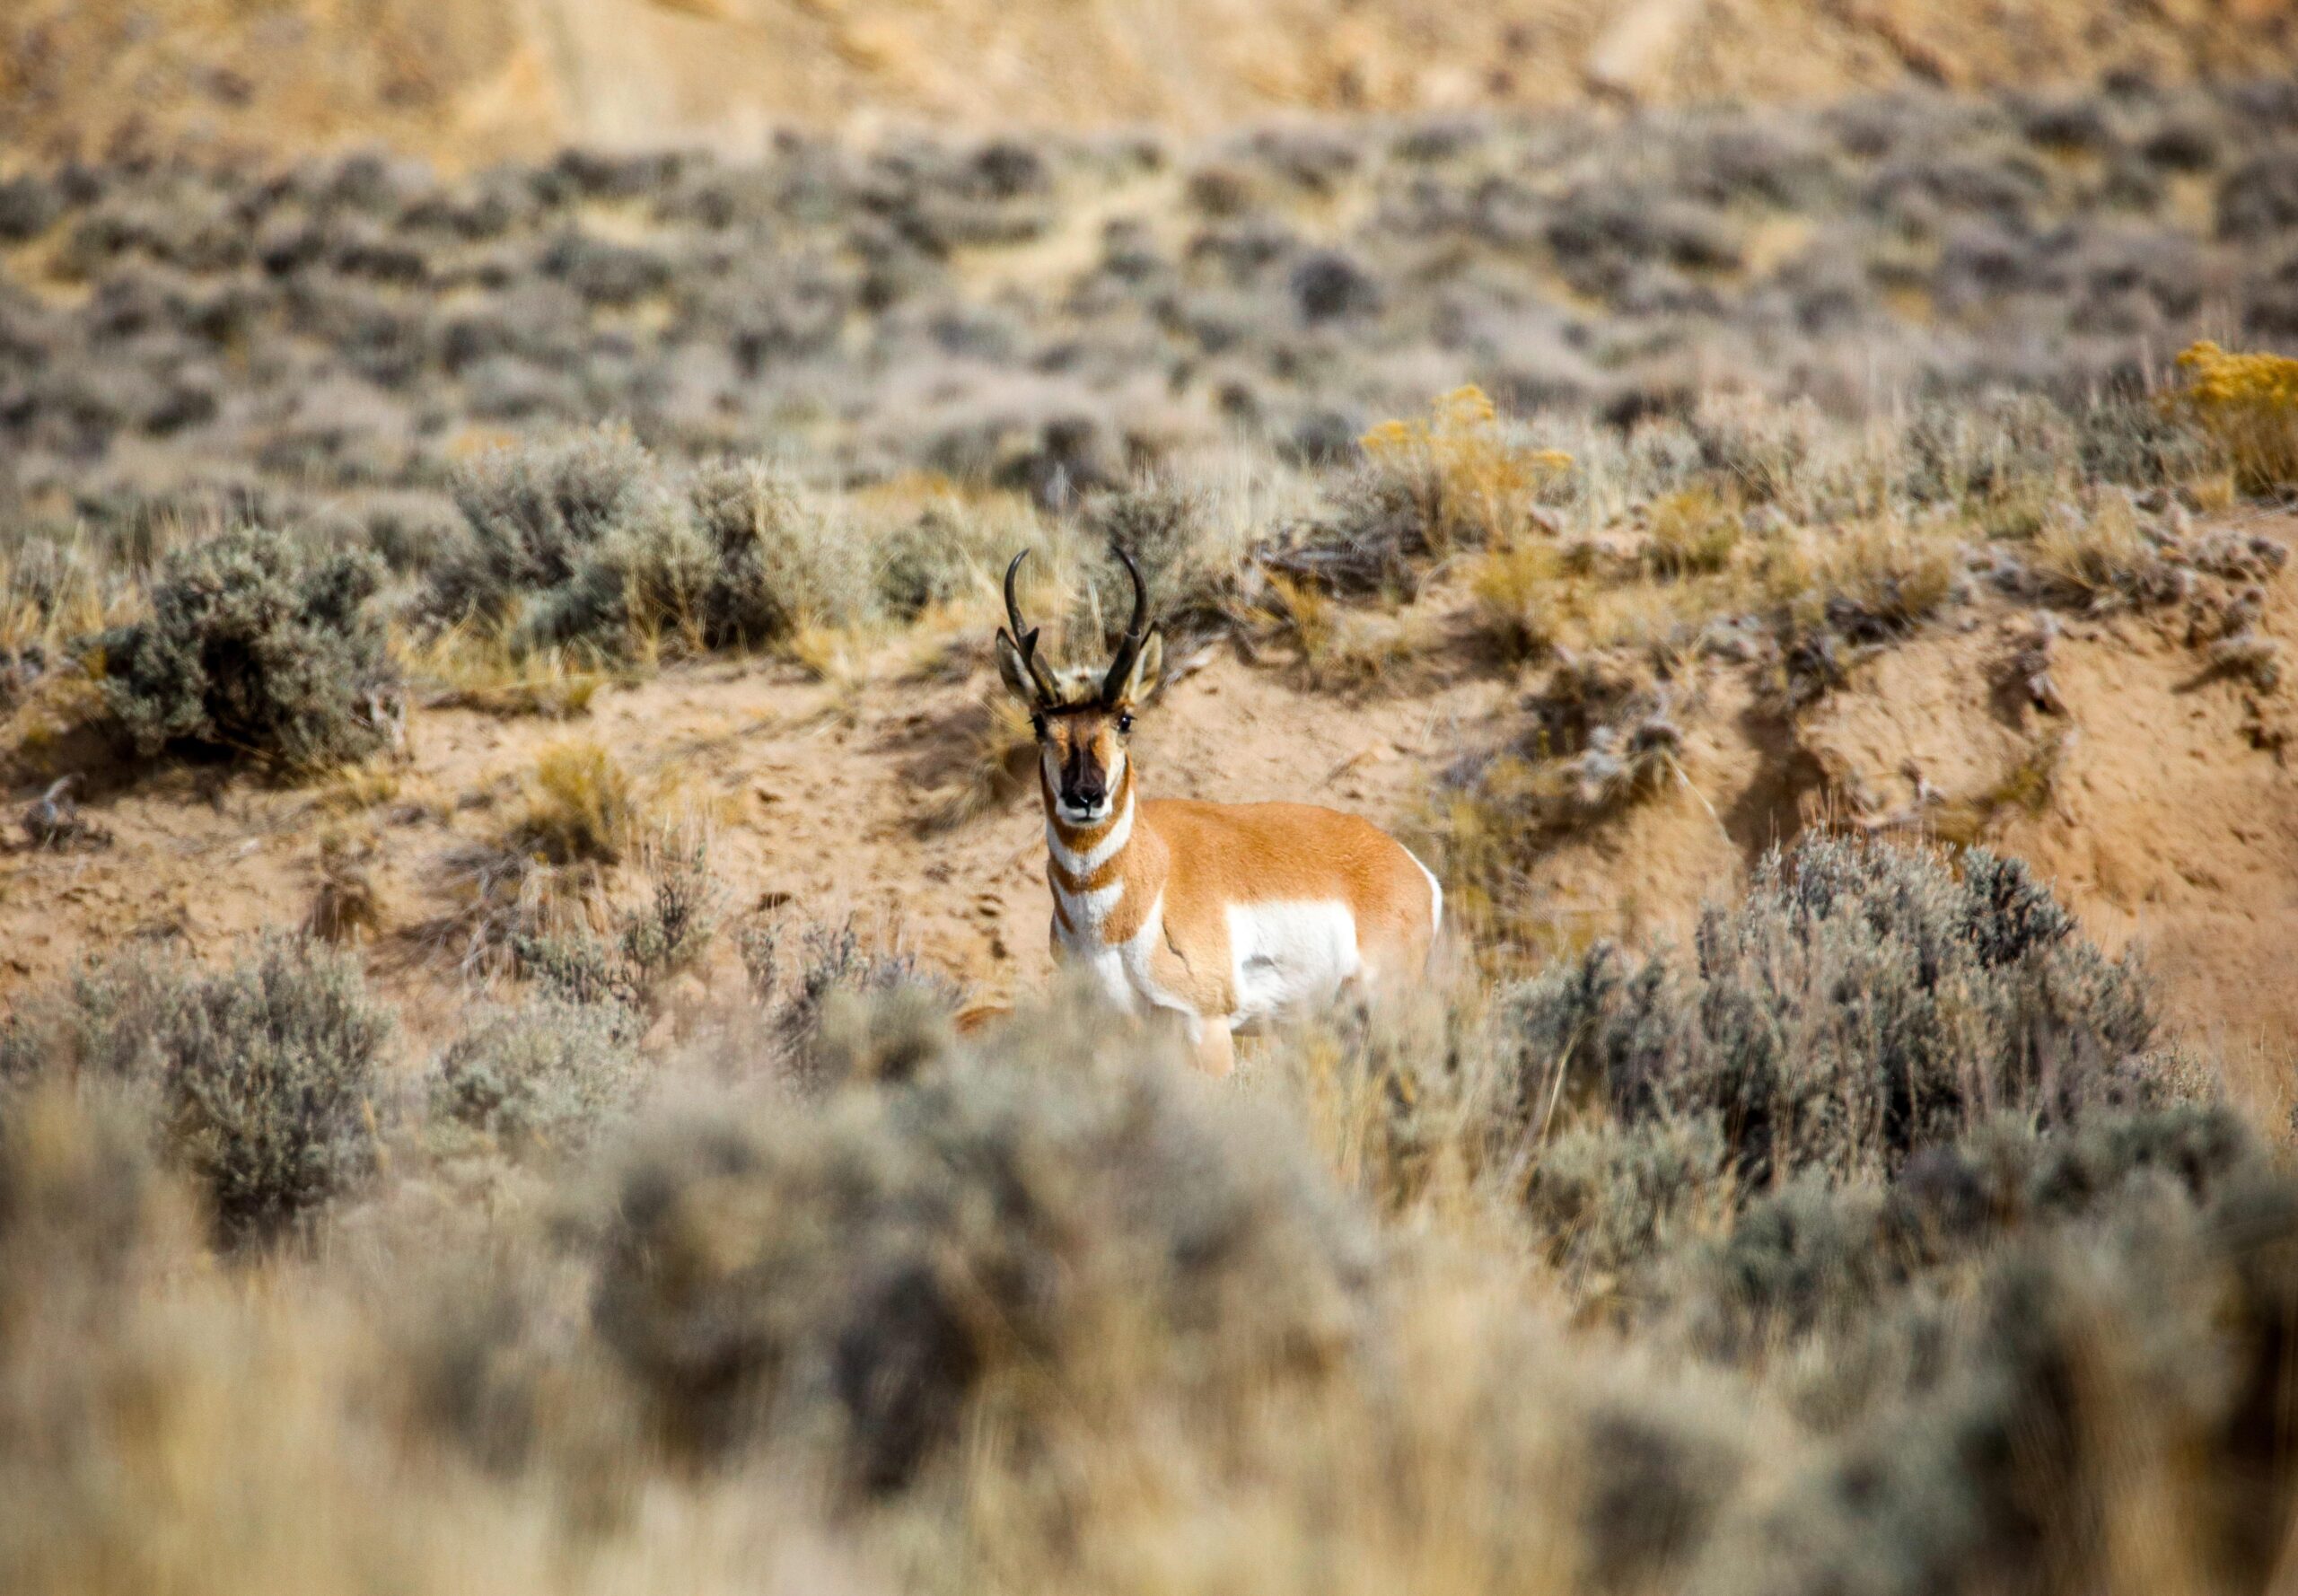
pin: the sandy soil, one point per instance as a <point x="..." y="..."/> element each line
<point x="466" y="84"/>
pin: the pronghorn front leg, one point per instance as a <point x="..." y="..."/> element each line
<point x="1217" y="1049"/>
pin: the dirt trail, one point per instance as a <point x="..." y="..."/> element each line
<point x="2170" y="821"/>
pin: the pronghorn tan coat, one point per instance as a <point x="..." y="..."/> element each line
<point x="1218" y="915"/>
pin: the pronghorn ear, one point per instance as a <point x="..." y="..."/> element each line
<point x="1148" y="668"/>
<point x="1014" y="669"/>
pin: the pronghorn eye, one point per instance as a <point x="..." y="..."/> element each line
<point x="1125" y="722"/>
<point x="1036" y="724"/>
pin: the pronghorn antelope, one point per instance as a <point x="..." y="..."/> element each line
<point x="1217" y="914"/>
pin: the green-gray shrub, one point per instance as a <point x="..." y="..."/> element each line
<point x="1810" y="1256"/>
<point x="261" y="1077"/>
<point x="916" y="1243"/>
<point x="535" y="520"/>
<point x="1192" y="579"/>
<point x="591" y="544"/>
<point x="926" y="561"/>
<point x="546" y="1075"/>
<point x="1863" y="1004"/>
<point x="2144" y="1350"/>
<point x="779" y="561"/>
<point x="254" y="648"/>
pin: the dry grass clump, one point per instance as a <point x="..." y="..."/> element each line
<point x="52" y="589"/>
<point x="1341" y="646"/>
<point x="1520" y="593"/>
<point x="1691" y="532"/>
<point x="2249" y="404"/>
<point x="2095" y="558"/>
<point x="464" y="668"/>
<point x="581" y="806"/>
<point x="1869" y="581"/>
<point x="261" y="1079"/>
<point x="542" y="889"/>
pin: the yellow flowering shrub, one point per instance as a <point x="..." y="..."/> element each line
<point x="2249" y="405"/>
<point x="1473" y="483"/>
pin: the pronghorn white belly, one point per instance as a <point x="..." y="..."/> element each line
<point x="1284" y="954"/>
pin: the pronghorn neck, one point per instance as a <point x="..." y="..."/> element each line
<point x="1105" y="877"/>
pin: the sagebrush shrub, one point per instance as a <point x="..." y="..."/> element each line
<point x="1816" y="1257"/>
<point x="2100" y="1375"/>
<point x="1862" y="1003"/>
<point x="985" y="1235"/>
<point x="261" y="1077"/>
<point x="548" y="1074"/>
<point x="835" y="963"/>
<point x="254" y="648"/>
<point x="270" y="1078"/>
<point x="650" y="942"/>
<point x="1191" y="573"/>
<point x="779" y="561"/>
<point x="592" y="544"/>
<point x="925" y="561"/>
<point x="538" y="523"/>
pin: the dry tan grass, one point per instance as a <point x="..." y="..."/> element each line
<point x="1344" y="648"/>
<point x="2092" y="555"/>
<point x="1895" y="572"/>
<point x="581" y="806"/>
<point x="1693" y="531"/>
<point x="994" y="765"/>
<point x="464" y="670"/>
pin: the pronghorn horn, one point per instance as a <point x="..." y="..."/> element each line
<point x="1025" y="638"/>
<point x="1129" y="648"/>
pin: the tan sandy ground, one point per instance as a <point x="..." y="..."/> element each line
<point x="464" y="85"/>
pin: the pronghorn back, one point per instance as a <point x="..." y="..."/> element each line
<point x="1259" y="878"/>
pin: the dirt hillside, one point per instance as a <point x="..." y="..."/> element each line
<point x="466" y="84"/>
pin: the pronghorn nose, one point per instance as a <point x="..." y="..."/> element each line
<point x="1083" y="785"/>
